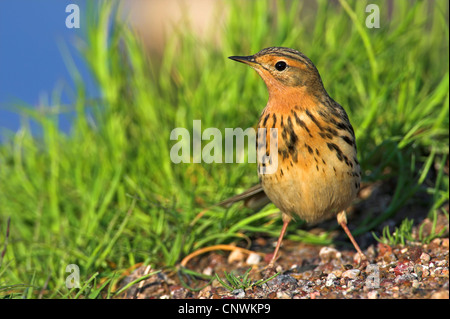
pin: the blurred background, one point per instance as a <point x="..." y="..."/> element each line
<point x="35" y="42"/>
<point x="86" y="115"/>
<point x="33" y="37"/>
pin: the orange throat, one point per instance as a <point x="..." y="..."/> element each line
<point x="283" y="99"/>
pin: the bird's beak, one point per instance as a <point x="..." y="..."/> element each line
<point x="250" y="60"/>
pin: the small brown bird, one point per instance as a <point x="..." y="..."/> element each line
<point x="318" y="174"/>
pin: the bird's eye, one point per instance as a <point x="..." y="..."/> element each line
<point x="281" y="65"/>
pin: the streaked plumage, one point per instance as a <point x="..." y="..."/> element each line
<point x="318" y="174"/>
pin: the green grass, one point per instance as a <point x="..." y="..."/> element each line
<point x="404" y="233"/>
<point x="233" y="282"/>
<point x="107" y="196"/>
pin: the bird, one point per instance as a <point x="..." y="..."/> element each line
<point x="317" y="174"/>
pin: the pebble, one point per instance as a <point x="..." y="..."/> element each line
<point x="177" y="292"/>
<point x="401" y="268"/>
<point x="352" y="273"/>
<point x="357" y="258"/>
<point x="253" y="259"/>
<point x="439" y="272"/>
<point x="238" y="293"/>
<point x="327" y="254"/>
<point x="419" y="271"/>
<point x="314" y="294"/>
<point x="208" y="271"/>
<point x="436" y="241"/>
<point x="372" y="294"/>
<point x="425" y="257"/>
<point x="283" y="295"/>
<point x="405" y="278"/>
<point x="235" y="256"/>
<point x="440" y="295"/>
<point x="205" y="293"/>
<point x="441" y="263"/>
<point x="337" y="273"/>
<point x="284" y="280"/>
<point x="330" y="280"/>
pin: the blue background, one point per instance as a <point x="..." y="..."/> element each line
<point x="31" y="60"/>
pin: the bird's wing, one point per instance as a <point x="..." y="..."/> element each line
<point x="254" y="198"/>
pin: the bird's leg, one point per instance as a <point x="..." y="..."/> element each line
<point x="286" y="220"/>
<point x="342" y="220"/>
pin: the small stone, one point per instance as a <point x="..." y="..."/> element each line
<point x="351" y="274"/>
<point x="415" y="253"/>
<point x="327" y="254"/>
<point x="283" y="295"/>
<point x="418" y="270"/>
<point x="405" y="278"/>
<point x="373" y="294"/>
<point x="415" y="284"/>
<point x="425" y="272"/>
<point x="205" y="293"/>
<point x="437" y="241"/>
<point x="235" y="256"/>
<point x="285" y="280"/>
<point x="440" y="272"/>
<point x="337" y="273"/>
<point x="440" y="295"/>
<point x="371" y="251"/>
<point x="314" y="294"/>
<point x="365" y="192"/>
<point x="441" y="263"/>
<point x="330" y="280"/>
<point x="260" y="241"/>
<point x="401" y="268"/>
<point x="178" y="292"/>
<point x="317" y="273"/>
<point x="253" y="259"/>
<point x="208" y="271"/>
<point x="384" y="249"/>
<point x="389" y="258"/>
<point x="238" y="293"/>
<point x="357" y="258"/>
<point x="404" y="250"/>
<point x="425" y="257"/>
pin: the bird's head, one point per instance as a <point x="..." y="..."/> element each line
<point x="284" y="68"/>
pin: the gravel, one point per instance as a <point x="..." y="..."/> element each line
<point x="414" y="270"/>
